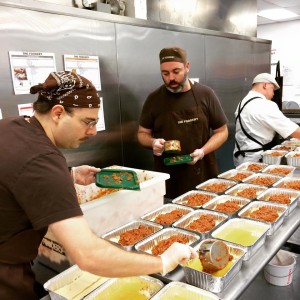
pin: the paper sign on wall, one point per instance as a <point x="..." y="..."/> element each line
<point x="25" y="109"/>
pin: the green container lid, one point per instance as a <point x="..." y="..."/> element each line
<point x="117" y="179"/>
<point x="177" y="160"/>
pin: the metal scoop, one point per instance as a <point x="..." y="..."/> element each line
<point x="213" y="255"/>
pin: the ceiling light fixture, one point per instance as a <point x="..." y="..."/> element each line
<point x="277" y="14"/>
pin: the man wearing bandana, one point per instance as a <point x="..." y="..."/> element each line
<point x="37" y="191"/>
<point x="186" y="111"/>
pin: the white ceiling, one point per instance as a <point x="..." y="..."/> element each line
<point x="291" y="5"/>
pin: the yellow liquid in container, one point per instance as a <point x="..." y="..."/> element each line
<point x="196" y="265"/>
<point x="244" y="237"/>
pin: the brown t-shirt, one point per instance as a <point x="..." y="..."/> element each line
<point x="36" y="188"/>
<point x="188" y="117"/>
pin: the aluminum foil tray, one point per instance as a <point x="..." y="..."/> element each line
<point x="252" y="232"/>
<point x="211" y="205"/>
<point x="206" y="185"/>
<point x="147" y="244"/>
<point x="284" y="147"/>
<point x="293" y="194"/>
<point x="211" y="282"/>
<point x="292" y="158"/>
<point x="292" y="142"/>
<point x="279" y="170"/>
<point x="267" y="158"/>
<point x="288" y="183"/>
<point x="137" y="287"/>
<point x="183" y="291"/>
<point x="70" y="279"/>
<point x="259" y="179"/>
<point x="114" y="235"/>
<point x="235" y="175"/>
<point x="235" y="190"/>
<point x="184" y="222"/>
<point x="167" y="208"/>
<point x="184" y="199"/>
<point x="279" y="208"/>
<point x="252" y="166"/>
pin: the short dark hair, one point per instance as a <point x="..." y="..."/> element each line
<point x="43" y="106"/>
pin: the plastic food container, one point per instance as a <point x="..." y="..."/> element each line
<point x="138" y="287"/>
<point x="270" y="159"/>
<point x="292" y="194"/>
<point x="114" y="235"/>
<point x="252" y="166"/>
<point x="212" y="204"/>
<point x="217" y="282"/>
<point x="262" y="179"/>
<point x="147" y="244"/>
<point x="253" y="206"/>
<point x="165" y="209"/>
<point x="279" y="170"/>
<point x="194" y="197"/>
<point x="236" y="175"/>
<point x="241" y="190"/>
<point x="216" y="185"/>
<point x="183" y="223"/>
<point x="249" y="234"/>
<point x="73" y="283"/>
<point x="183" y="291"/>
<point x="293" y="158"/>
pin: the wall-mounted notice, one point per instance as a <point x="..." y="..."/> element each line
<point x="30" y="68"/>
<point x="85" y="65"/>
<point x="101" y="123"/>
<point x="25" y="109"/>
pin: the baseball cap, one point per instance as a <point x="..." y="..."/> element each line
<point x="266" y="77"/>
<point x="172" y="54"/>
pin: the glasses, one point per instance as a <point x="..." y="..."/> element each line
<point x="90" y="124"/>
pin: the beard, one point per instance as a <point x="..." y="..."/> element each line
<point x="180" y="86"/>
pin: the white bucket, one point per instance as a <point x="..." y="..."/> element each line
<point x="279" y="271"/>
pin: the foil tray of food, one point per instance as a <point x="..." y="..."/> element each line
<point x="194" y="198"/>
<point x="262" y="179"/>
<point x="73" y="283"/>
<point x="167" y="214"/>
<point x="252" y="166"/>
<point x="131" y="233"/>
<point x="201" y="222"/>
<point x="216" y="185"/>
<point x="286" y="197"/>
<point x="236" y="175"/>
<point x="136" y="287"/>
<point x="244" y="190"/>
<point x="279" y="170"/>
<point x="160" y="241"/>
<point x="227" y="204"/>
<point x="270" y="213"/>
<point x="248" y="234"/>
<point x="183" y="291"/>
<point x="284" y="147"/>
<point x="293" y="158"/>
<point x="273" y="157"/>
<point x="292" y="142"/>
<point x="288" y="183"/>
<point x="214" y="281"/>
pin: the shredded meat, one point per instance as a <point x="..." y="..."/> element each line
<point x="266" y="181"/>
<point x="279" y="171"/>
<point x="295" y="185"/>
<point x="228" y="206"/>
<point x="255" y="167"/>
<point x="265" y="214"/>
<point x="274" y="153"/>
<point x="280" y="198"/>
<point x="203" y="224"/>
<point x="239" y="176"/>
<point x="170" y="217"/>
<point x="163" y="245"/>
<point x="249" y="193"/>
<point x="196" y="199"/>
<point x="132" y="236"/>
<point x="284" y="148"/>
<point x="296" y="155"/>
<point x="217" y="187"/>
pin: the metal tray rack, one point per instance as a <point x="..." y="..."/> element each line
<point x="142" y="285"/>
<point x="114" y="235"/>
<point x="293" y="194"/>
<point x="273" y="169"/>
<point x="280" y="209"/>
<point x="167" y="208"/>
<point x="206" y="185"/>
<point x="234" y="172"/>
<point x="245" y="226"/>
<point x="180" y="290"/>
<point x="211" y="205"/>
<point x="214" y="283"/>
<point x="242" y="186"/>
<point x="182" y="200"/>
<point x="184" y="222"/>
<point x="247" y="166"/>
<point x="261" y="176"/>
